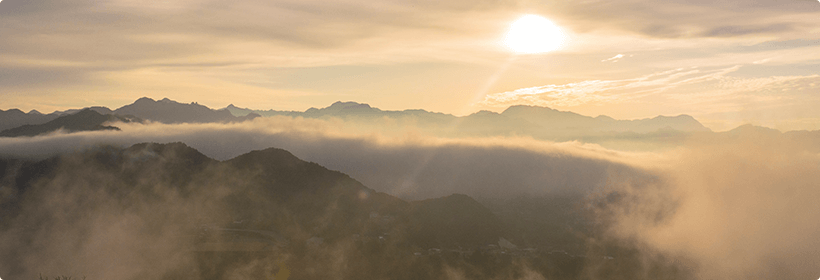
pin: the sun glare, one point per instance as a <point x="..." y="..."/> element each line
<point x="534" y="34"/>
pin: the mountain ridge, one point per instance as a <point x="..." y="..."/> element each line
<point x="518" y="120"/>
<point x="84" y="120"/>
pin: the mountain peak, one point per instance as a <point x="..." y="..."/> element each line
<point x="89" y="112"/>
<point x="268" y="157"/>
<point x="484" y="113"/>
<point x="678" y="117"/>
<point x="530" y="106"/>
<point x="174" y="149"/>
<point x="750" y="128"/>
<point x="349" y="105"/>
<point x="343" y="108"/>
<point x="170" y="111"/>
<point x="144" y="100"/>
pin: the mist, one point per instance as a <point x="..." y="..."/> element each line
<point x="740" y="207"/>
<point x="406" y="163"/>
<point x="87" y="220"/>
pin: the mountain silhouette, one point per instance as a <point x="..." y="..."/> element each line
<point x="267" y="189"/>
<point x="14" y="117"/>
<point x="573" y="123"/>
<point x="220" y="216"/>
<point x="539" y="122"/>
<point x="169" y="111"/>
<point x="85" y="120"/>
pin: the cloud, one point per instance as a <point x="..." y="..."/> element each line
<point x="407" y="165"/>
<point x="706" y="90"/>
<point x="614" y="58"/>
<point x="606" y="91"/>
<point x="107" y="236"/>
<point x="730" y="207"/>
<point x="81" y="228"/>
<point x="689" y="19"/>
<point x="739" y="209"/>
<point x="124" y="32"/>
<point x="247" y="46"/>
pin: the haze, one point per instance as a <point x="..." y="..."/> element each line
<point x="520" y="139"/>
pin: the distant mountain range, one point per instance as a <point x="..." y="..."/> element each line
<point x="514" y="118"/>
<point x="16" y="123"/>
<point x="169" y="111"/>
<point x="85" y="120"/>
<point x="533" y="121"/>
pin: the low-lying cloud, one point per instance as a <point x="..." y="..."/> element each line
<point x="737" y="209"/>
<point x="725" y="207"/>
<point x="406" y="164"/>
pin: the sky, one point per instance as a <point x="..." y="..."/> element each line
<point x="725" y="62"/>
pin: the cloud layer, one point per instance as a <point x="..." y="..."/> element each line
<point x="410" y="166"/>
<point x="729" y="207"/>
<point x="742" y="208"/>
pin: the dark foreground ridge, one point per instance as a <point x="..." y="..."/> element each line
<point x="166" y="211"/>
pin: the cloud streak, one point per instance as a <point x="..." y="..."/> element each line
<point x="605" y="91"/>
<point x="614" y="58"/>
<point x="690" y="19"/>
<point x="709" y="90"/>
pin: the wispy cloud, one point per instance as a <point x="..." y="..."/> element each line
<point x="614" y="58"/>
<point x="690" y="85"/>
<point x="605" y="91"/>
<point x="691" y="19"/>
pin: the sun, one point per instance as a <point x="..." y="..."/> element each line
<point x="534" y="34"/>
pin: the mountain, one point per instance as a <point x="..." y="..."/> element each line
<point x="456" y="219"/>
<point x="163" y="111"/>
<point x="208" y="204"/>
<point x="169" y="111"/>
<point x="573" y="123"/>
<point x="751" y="131"/>
<point x="352" y="111"/>
<point x="99" y="109"/>
<point x="539" y="122"/>
<point x="486" y="123"/>
<point x="85" y="120"/>
<point x="14" y="117"/>
<point x="241" y="112"/>
<point x="344" y="109"/>
<point x="174" y="213"/>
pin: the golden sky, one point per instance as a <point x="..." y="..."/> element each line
<point x="723" y="62"/>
